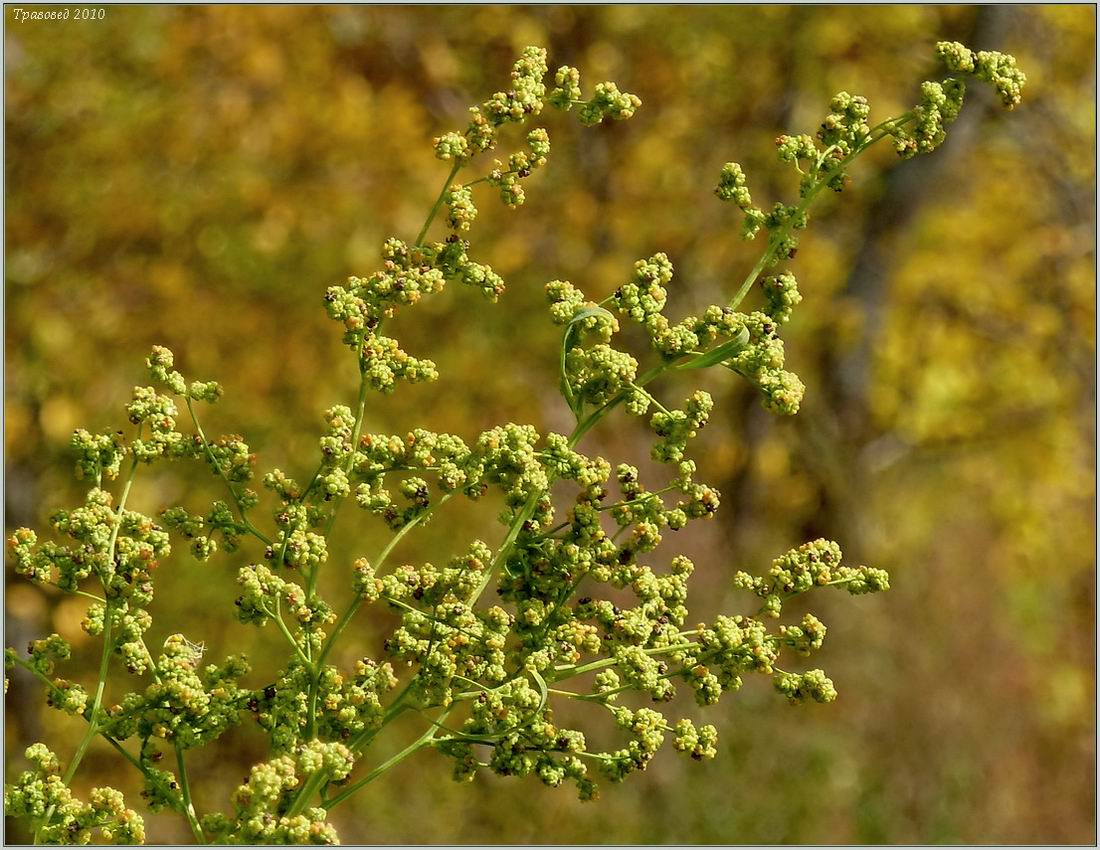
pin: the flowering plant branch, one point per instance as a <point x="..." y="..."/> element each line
<point x="485" y="677"/>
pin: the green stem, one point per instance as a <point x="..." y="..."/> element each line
<point x="776" y="238"/>
<point x="505" y="548"/>
<point x="105" y="659"/>
<point x="604" y="695"/>
<point x="353" y="608"/>
<point x="114" y="743"/>
<point x="122" y="752"/>
<point x="584" y="426"/>
<point x="485" y="179"/>
<point x="839" y="582"/>
<point x="641" y="500"/>
<point x="245" y="524"/>
<point x="653" y="399"/>
<point x="391" y="762"/>
<point x="404" y="606"/>
<point x="26" y="665"/>
<point x="312" y="481"/>
<point x="357" y="432"/>
<point x="277" y="617"/>
<point x="311" y="787"/>
<point x="320" y="779"/>
<point x="183" y="802"/>
<point x="93" y="722"/>
<point x="122" y="499"/>
<point x="361" y="741"/>
<point x="562" y="673"/>
<point x="438" y="203"/>
<point x="185" y="793"/>
<point x="350" y="611"/>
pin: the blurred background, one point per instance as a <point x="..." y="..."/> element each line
<point x="197" y="176"/>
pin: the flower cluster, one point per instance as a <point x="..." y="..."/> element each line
<point x="783" y="296"/>
<point x="525" y="99"/>
<point x="263" y="804"/>
<point x="989" y="66"/>
<point x="98" y="454"/>
<point x="40" y="795"/>
<point x="119" y="547"/>
<point x="572" y="605"/>
<point x="183" y="705"/>
<point x="813" y="564"/>
<point x="733" y="186"/>
<point x="941" y="102"/>
<point x="744" y="343"/>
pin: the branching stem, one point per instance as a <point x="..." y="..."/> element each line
<point x="421" y="742"/>
<point x="438" y="202"/>
<point x="245" y="523"/>
<point x="776" y="239"/>
<point x="185" y="794"/>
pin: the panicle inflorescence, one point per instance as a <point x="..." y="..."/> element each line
<point x="586" y="606"/>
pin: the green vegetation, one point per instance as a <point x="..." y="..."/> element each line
<point x="538" y="653"/>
